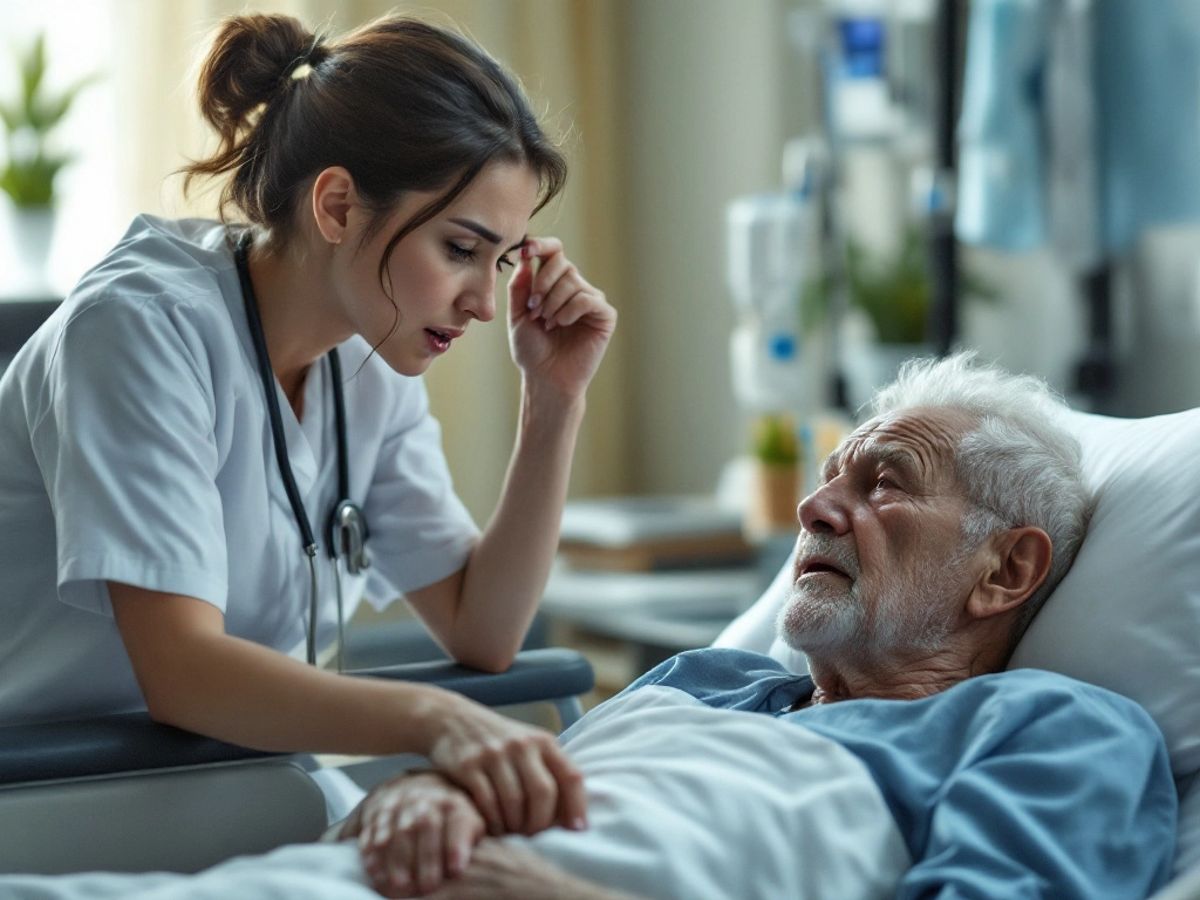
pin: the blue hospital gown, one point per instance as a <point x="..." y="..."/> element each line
<point x="1017" y="784"/>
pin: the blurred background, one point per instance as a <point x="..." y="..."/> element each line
<point x="783" y="198"/>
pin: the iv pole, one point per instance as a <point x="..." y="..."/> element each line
<point x="943" y="248"/>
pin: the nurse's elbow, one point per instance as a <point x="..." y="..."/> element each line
<point x="492" y="660"/>
<point x="164" y="707"/>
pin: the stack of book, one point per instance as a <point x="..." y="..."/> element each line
<point x="644" y="534"/>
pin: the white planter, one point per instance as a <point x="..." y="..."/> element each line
<point x="869" y="366"/>
<point x="30" y="238"/>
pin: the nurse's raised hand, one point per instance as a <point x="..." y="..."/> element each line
<point x="519" y="778"/>
<point x="558" y="323"/>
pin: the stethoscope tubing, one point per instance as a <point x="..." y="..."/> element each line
<point x="279" y="442"/>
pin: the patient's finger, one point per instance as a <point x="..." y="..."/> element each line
<point x="572" y="797"/>
<point x="397" y="858"/>
<point x="541" y="790"/>
<point x="427" y="858"/>
<point x="462" y="832"/>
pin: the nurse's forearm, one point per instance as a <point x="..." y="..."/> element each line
<point x="195" y="676"/>
<point x="508" y="569"/>
<point x="250" y="695"/>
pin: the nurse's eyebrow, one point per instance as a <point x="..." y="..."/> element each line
<point x="486" y="233"/>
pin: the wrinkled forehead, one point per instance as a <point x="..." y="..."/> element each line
<point x="922" y="441"/>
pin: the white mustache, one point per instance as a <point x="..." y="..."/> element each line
<point x="840" y="552"/>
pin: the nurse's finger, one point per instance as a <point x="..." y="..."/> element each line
<point x="541" y="791"/>
<point x="548" y="275"/>
<point x="542" y="248"/>
<point x="572" y="797"/>
<point x="519" y="288"/>
<point x="581" y="305"/>
<point x="479" y="785"/>
<point x="509" y="792"/>
<point x="563" y="290"/>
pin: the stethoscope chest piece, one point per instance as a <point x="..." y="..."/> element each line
<point x="348" y="537"/>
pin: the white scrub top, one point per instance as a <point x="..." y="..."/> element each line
<point x="136" y="447"/>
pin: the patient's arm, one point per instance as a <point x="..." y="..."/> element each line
<point x="413" y="832"/>
<point x="502" y="871"/>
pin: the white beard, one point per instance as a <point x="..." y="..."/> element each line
<point x="826" y="615"/>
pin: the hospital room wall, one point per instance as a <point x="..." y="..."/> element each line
<point x="669" y="108"/>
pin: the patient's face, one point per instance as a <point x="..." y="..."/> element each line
<point x="880" y="570"/>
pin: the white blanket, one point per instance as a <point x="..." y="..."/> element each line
<point x="684" y="801"/>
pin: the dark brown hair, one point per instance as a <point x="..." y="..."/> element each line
<point x="401" y="104"/>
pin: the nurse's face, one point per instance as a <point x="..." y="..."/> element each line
<point x="442" y="275"/>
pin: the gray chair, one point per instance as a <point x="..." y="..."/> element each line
<point x="121" y="793"/>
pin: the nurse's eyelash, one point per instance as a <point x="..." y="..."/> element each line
<point x="460" y="253"/>
<point x="463" y="254"/>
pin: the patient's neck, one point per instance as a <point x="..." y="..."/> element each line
<point x="907" y="676"/>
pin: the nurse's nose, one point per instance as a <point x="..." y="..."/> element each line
<point x="479" y="298"/>
<point x="824" y="511"/>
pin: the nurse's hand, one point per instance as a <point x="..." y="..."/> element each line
<point x="558" y="324"/>
<point x="518" y="776"/>
<point x="414" y="832"/>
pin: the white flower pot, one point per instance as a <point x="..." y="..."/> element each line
<point x="31" y="236"/>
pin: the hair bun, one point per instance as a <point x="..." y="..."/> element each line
<point x="248" y="64"/>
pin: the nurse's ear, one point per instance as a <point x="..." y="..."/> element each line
<point x="333" y="199"/>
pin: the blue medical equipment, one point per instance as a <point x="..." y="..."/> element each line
<point x="347" y="527"/>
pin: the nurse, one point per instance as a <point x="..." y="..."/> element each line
<point x="155" y="551"/>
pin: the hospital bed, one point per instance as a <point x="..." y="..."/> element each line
<point x="1127" y="617"/>
<point x="1127" y="614"/>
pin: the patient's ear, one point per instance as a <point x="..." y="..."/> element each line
<point x="1018" y="560"/>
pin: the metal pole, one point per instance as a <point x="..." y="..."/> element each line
<point x="943" y="249"/>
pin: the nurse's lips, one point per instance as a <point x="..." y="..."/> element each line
<point x="439" y="339"/>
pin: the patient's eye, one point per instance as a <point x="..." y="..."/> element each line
<point x="886" y="482"/>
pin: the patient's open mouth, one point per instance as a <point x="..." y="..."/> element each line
<point x="820" y="567"/>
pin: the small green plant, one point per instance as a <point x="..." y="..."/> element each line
<point x="895" y="292"/>
<point x="31" y="164"/>
<point x="774" y="440"/>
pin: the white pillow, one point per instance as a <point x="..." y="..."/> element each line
<point x="1127" y="614"/>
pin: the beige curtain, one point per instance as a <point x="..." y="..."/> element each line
<point x="566" y="54"/>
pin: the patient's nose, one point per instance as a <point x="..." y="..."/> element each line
<point x="823" y="512"/>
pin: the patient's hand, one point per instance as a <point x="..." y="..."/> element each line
<point x="502" y="871"/>
<point x="413" y="832"/>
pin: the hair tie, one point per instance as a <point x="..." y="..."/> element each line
<point x="303" y="65"/>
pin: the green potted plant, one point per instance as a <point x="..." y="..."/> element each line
<point x="31" y="160"/>
<point x="894" y="294"/>
<point x="775" y="489"/>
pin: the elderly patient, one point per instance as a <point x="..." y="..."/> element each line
<point x="938" y="529"/>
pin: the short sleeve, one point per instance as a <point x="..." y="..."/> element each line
<point x="128" y="451"/>
<point x="420" y="531"/>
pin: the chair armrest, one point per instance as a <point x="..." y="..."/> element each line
<point x="128" y="742"/>
<point x="552" y="673"/>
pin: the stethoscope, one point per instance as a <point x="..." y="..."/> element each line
<point x="347" y="528"/>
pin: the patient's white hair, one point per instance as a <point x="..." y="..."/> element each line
<point x="1018" y="465"/>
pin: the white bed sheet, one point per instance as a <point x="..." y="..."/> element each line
<point x="685" y="801"/>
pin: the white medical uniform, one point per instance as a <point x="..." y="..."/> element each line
<point x="136" y="447"/>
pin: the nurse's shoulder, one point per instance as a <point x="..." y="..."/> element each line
<point x="184" y="261"/>
<point x="167" y="286"/>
